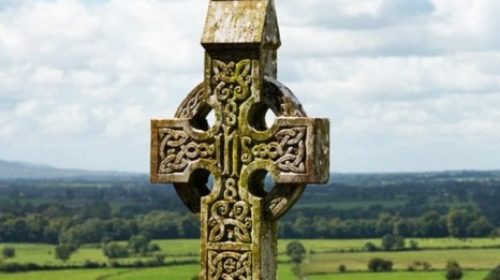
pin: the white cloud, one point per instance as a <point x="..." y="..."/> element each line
<point x="412" y="84"/>
<point x="26" y="108"/>
<point x="65" y="119"/>
<point x="47" y="75"/>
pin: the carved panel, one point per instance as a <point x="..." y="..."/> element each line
<point x="287" y="150"/>
<point x="229" y="265"/>
<point x="231" y="85"/>
<point x="177" y="150"/>
<point x="230" y="218"/>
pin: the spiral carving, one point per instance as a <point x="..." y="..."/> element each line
<point x="230" y="218"/>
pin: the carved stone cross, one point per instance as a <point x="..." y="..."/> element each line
<point x="238" y="216"/>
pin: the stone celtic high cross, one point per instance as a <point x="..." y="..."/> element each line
<point x="238" y="216"/>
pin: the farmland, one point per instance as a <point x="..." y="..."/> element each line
<point x="440" y="216"/>
<point x="186" y="272"/>
<point x="476" y="256"/>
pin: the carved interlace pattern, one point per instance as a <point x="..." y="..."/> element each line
<point x="231" y="84"/>
<point x="230" y="218"/>
<point x="191" y="105"/>
<point x="177" y="150"/>
<point x="229" y="265"/>
<point x="288" y="151"/>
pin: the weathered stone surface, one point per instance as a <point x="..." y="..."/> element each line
<point x="238" y="217"/>
<point x="241" y="23"/>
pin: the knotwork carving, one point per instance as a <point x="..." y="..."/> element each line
<point x="232" y="80"/>
<point x="231" y="84"/>
<point x="177" y="150"/>
<point x="191" y="105"/>
<point x="230" y="218"/>
<point x="287" y="151"/>
<point x="229" y="265"/>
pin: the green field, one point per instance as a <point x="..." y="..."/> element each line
<point x="320" y="265"/>
<point x="468" y="259"/>
<point x="319" y="245"/>
<point x="174" y="273"/>
<point x="186" y="272"/>
<point x="435" y="275"/>
<point x="182" y="249"/>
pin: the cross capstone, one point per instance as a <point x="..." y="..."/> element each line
<point x="238" y="216"/>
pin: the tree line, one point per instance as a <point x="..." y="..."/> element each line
<point x="459" y="223"/>
<point x="89" y="212"/>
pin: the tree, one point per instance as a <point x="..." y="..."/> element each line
<point x="380" y="265"/>
<point x="115" y="250"/>
<point x="480" y="228"/>
<point x="63" y="252"/>
<point x="189" y="227"/>
<point x="96" y="209"/>
<point x="304" y="226"/>
<point x="9" y="252"/>
<point x="453" y="271"/>
<point x="494" y="274"/>
<point x="458" y="221"/>
<point x="413" y="245"/>
<point x="431" y="224"/>
<point x="384" y="225"/>
<point x="370" y="247"/>
<point x="388" y="242"/>
<point x="296" y="251"/>
<point x="160" y="259"/>
<point x="139" y="244"/>
<point x="399" y="243"/>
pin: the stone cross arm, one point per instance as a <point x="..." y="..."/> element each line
<point x="294" y="150"/>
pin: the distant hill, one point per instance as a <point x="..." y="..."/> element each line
<point x="21" y="170"/>
<point x="10" y="170"/>
<point x="413" y="178"/>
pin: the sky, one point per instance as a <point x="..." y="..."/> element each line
<point x="407" y="85"/>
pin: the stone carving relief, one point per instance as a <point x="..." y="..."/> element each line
<point x="229" y="265"/>
<point x="177" y="150"/>
<point x="191" y="105"/>
<point x="231" y="85"/>
<point x="288" y="151"/>
<point x="230" y="218"/>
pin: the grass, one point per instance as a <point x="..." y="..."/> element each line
<point x="186" y="272"/>
<point x="44" y="254"/>
<point x="468" y="259"/>
<point x="87" y="274"/>
<point x="189" y="248"/>
<point x="174" y="273"/>
<point x="320" y="266"/>
<point x="326" y="245"/>
<point x="434" y="275"/>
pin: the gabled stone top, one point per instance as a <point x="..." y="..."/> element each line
<point x="241" y="24"/>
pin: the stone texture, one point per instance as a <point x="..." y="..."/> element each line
<point x="238" y="217"/>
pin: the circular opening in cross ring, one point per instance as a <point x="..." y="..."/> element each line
<point x="261" y="117"/>
<point x="204" y="119"/>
